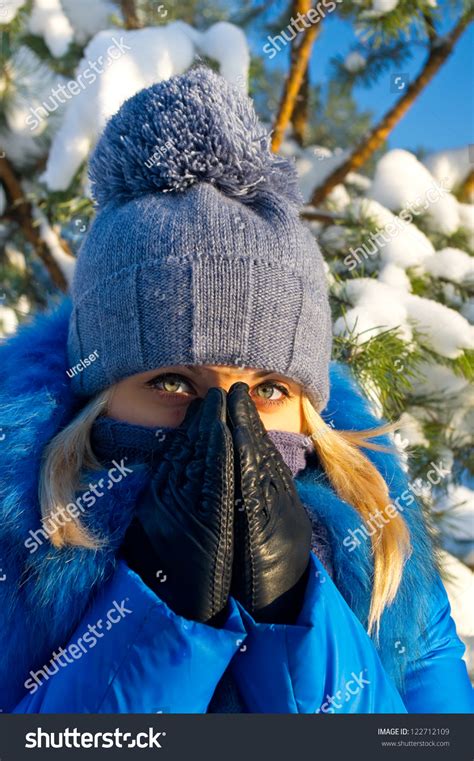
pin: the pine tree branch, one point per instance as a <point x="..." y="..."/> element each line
<point x="23" y="213"/>
<point x="440" y="50"/>
<point x="301" y="50"/>
<point x="129" y="14"/>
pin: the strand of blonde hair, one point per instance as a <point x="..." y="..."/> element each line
<point x="357" y="481"/>
<point x="64" y="459"/>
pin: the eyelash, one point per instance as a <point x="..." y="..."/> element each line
<point x="182" y="379"/>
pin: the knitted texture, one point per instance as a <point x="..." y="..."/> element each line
<point x="112" y="438"/>
<point x="199" y="257"/>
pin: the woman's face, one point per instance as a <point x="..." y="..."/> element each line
<point x="160" y="397"/>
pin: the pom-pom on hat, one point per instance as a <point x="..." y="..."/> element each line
<point x="197" y="254"/>
<point x="202" y="130"/>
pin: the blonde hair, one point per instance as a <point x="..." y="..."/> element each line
<point x="356" y="480"/>
<point x="352" y="475"/>
<point x="64" y="459"/>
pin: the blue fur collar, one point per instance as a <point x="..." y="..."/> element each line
<point x="55" y="585"/>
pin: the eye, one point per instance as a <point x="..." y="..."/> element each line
<point x="271" y="392"/>
<point x="171" y="383"/>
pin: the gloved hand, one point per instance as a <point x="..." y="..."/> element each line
<point x="272" y="530"/>
<point x="183" y="525"/>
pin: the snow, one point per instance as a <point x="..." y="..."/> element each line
<point x="15" y="257"/>
<point x="462" y="417"/>
<point x="289" y="147"/>
<point x="452" y="294"/>
<point x="375" y="310"/>
<point x="466" y="218"/>
<point x="401" y="444"/>
<point x="61" y="21"/>
<point x="31" y="82"/>
<point x="9" y="9"/>
<point x="358" y="181"/>
<point x="467" y="310"/>
<point x="9" y="315"/>
<point x="451" y="264"/>
<point x="449" y="166"/>
<point x="411" y="431"/>
<point x="8" y="320"/>
<point x="403" y="182"/>
<point x="354" y="62"/>
<point x="22" y="150"/>
<point x="314" y="165"/>
<point x="88" y="17"/>
<point x="334" y="238"/>
<point x="446" y="330"/>
<point x="384" y="6"/>
<point x="403" y="243"/>
<point x="147" y="56"/>
<point x="338" y="199"/>
<point x="227" y="44"/>
<point x="395" y="276"/>
<point x="459" y="582"/>
<point x="49" y="21"/>
<point x="457" y="513"/>
<point x="438" y="380"/>
<point x="66" y="262"/>
<point x="378" y="307"/>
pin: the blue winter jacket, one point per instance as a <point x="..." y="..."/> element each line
<point x="82" y="633"/>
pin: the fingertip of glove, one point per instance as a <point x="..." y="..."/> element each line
<point x="215" y="404"/>
<point x="238" y="401"/>
<point x="240" y="386"/>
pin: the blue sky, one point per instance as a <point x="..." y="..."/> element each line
<point x="441" y="117"/>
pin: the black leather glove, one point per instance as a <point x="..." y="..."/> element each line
<point x="272" y="529"/>
<point x="183" y="525"/>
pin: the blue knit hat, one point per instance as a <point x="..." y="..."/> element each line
<point x="197" y="254"/>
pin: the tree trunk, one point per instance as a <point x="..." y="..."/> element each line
<point x="129" y="14"/>
<point x="440" y="50"/>
<point x="465" y="192"/>
<point x="22" y="210"/>
<point x="301" y="50"/>
<point x="299" y="119"/>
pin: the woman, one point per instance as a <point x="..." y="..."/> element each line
<point x="193" y="517"/>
